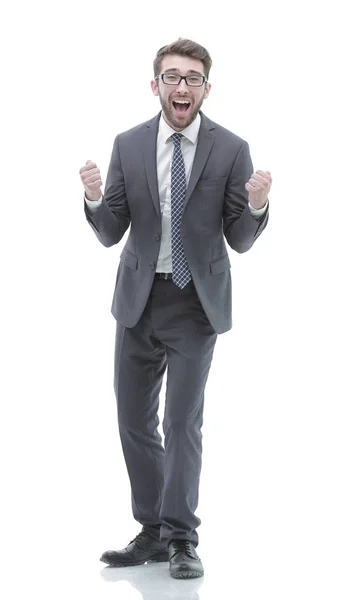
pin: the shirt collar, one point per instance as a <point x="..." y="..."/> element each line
<point x="190" y="132"/>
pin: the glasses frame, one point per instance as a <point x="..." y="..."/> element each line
<point x="161" y="76"/>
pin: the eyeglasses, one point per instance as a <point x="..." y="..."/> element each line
<point x="191" y="80"/>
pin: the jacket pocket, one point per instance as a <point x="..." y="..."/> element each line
<point x="220" y="265"/>
<point x="212" y="179"/>
<point x="129" y="259"/>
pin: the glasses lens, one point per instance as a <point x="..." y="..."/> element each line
<point x="194" y="80"/>
<point x="171" y="79"/>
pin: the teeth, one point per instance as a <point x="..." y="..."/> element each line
<point x="181" y="101"/>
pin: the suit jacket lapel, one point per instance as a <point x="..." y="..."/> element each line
<point x="204" y="146"/>
<point x="150" y="155"/>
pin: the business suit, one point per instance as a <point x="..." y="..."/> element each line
<point x="160" y="325"/>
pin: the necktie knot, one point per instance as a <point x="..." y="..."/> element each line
<point x="176" y="138"/>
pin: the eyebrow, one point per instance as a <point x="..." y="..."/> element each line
<point x="189" y="71"/>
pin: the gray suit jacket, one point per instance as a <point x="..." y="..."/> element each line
<point x="216" y="207"/>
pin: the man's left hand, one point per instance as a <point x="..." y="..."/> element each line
<point x="258" y="188"/>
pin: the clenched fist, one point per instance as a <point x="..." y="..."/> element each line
<point x="91" y="179"/>
<point x="258" y="188"/>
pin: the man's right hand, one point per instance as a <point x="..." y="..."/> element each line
<point x="91" y="179"/>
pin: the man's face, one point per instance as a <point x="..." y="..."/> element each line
<point x="178" y="116"/>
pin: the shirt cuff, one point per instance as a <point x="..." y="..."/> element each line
<point x="93" y="204"/>
<point x="258" y="212"/>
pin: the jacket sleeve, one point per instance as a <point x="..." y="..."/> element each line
<point x="240" y="227"/>
<point x="112" y="218"/>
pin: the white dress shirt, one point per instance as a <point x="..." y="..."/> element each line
<point x="164" y="160"/>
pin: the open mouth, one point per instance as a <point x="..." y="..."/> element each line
<point x="181" y="106"/>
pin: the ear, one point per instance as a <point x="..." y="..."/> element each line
<point x="154" y="87"/>
<point x="207" y="90"/>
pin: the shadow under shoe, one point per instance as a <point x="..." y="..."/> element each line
<point x="153" y="582"/>
<point x="184" y="560"/>
<point x="143" y="548"/>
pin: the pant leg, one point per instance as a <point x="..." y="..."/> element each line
<point x="181" y="325"/>
<point x="140" y="363"/>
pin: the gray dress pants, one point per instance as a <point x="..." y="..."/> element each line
<point x="174" y="333"/>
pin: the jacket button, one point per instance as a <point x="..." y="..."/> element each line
<point x="152" y="265"/>
<point x="157" y="237"/>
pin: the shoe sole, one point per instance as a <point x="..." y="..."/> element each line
<point x="156" y="559"/>
<point x="186" y="575"/>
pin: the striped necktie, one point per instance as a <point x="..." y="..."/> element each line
<point x="180" y="271"/>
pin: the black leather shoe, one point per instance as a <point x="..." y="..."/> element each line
<point x="142" y="549"/>
<point x="184" y="560"/>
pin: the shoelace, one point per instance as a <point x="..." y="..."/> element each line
<point x="183" y="546"/>
<point x="141" y="536"/>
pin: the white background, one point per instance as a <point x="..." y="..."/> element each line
<point x="279" y="488"/>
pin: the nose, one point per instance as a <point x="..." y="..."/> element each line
<point x="182" y="86"/>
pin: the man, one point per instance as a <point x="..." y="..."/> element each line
<point x="181" y="181"/>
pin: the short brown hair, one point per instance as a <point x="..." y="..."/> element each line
<point x="183" y="48"/>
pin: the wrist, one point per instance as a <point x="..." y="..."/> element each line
<point x="255" y="207"/>
<point x="91" y="198"/>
